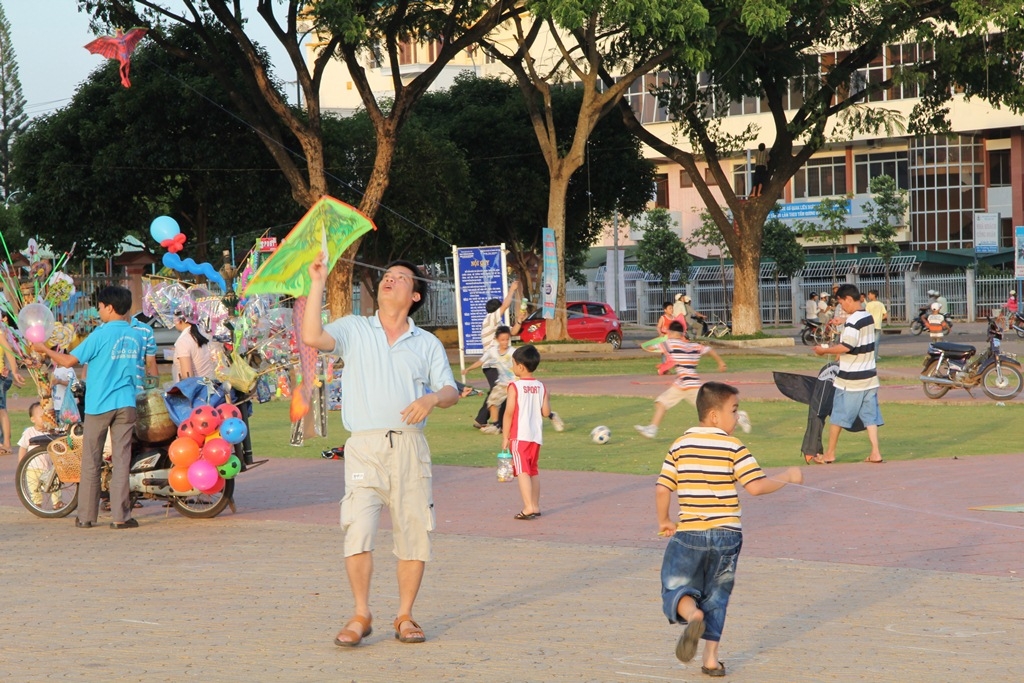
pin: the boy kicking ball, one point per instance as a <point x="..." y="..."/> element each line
<point x="698" y="507"/>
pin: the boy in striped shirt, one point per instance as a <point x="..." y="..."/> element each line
<point x="682" y="358"/>
<point x="699" y="509"/>
<point x="857" y="382"/>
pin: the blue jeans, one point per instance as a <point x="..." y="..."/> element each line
<point x="701" y="564"/>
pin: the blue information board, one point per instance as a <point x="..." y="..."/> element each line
<point x="480" y="273"/>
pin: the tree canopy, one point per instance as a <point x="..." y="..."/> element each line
<point x="106" y="164"/>
<point x="508" y="191"/>
<point x="806" y="63"/>
<point x="661" y="252"/>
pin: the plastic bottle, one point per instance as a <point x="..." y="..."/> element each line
<point x="505" y="466"/>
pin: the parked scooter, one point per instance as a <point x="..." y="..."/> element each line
<point x="47" y="477"/>
<point x="1017" y="324"/>
<point x="948" y="366"/>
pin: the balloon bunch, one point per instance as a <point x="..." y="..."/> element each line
<point x="166" y="232"/>
<point x="203" y="454"/>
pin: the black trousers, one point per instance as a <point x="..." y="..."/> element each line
<point x="492" y="378"/>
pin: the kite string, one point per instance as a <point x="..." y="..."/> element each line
<point x="905" y="508"/>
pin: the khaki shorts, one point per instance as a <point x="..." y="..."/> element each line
<point x="674" y="395"/>
<point x="498" y="395"/>
<point x="392" y="468"/>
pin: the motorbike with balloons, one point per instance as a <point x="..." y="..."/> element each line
<point x="192" y="466"/>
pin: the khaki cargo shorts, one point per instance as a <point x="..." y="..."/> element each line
<point x="386" y="467"/>
<point x="674" y="395"/>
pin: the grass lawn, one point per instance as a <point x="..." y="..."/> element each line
<point x="737" y="363"/>
<point x="778" y="426"/>
<point x="909" y="434"/>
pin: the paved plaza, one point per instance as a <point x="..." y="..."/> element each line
<point x="913" y="586"/>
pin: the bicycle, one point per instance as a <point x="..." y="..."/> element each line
<point x="719" y="328"/>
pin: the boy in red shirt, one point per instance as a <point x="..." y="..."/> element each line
<point x="522" y="432"/>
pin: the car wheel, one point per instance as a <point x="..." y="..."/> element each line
<point x="615" y="339"/>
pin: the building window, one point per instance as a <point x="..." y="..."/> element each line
<point x="946" y="189"/>
<point x="661" y="190"/>
<point x="685" y="180"/>
<point x="406" y="52"/>
<point x="739" y="179"/>
<point x="644" y="102"/>
<point x="999" y="168"/>
<point x="872" y="165"/>
<point x="709" y="177"/>
<point x="823" y="177"/>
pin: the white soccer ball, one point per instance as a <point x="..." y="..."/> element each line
<point x="600" y="434"/>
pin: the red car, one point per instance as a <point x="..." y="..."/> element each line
<point x="587" y="321"/>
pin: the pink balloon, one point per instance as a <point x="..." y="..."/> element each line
<point x="35" y="334"/>
<point x="202" y="475"/>
<point x="217" y="451"/>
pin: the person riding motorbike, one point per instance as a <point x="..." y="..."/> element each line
<point x="936" y="323"/>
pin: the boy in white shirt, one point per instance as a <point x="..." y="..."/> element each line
<point x="522" y="432"/>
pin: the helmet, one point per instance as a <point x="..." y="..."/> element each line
<point x="824" y="294"/>
<point x="936" y="306"/>
<point x="679" y="297"/>
<point x="686" y="299"/>
<point x="1013" y="292"/>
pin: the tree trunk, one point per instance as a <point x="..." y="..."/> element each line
<point x="557" y="191"/>
<point x="746" y="302"/>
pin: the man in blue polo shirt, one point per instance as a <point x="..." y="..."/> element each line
<point x="113" y="352"/>
<point x="395" y="375"/>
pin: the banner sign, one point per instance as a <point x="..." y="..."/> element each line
<point x="479" y="277"/>
<point x="803" y="210"/>
<point x="986" y="233"/>
<point x="550" y="281"/>
<point x="1018" y="252"/>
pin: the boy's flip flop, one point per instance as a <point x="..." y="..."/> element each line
<point x="686" y="648"/>
<point x="524" y="515"/>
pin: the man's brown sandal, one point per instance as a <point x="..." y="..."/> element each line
<point x="353" y="637"/>
<point x="411" y="635"/>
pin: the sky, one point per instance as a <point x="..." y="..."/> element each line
<point x="48" y="38"/>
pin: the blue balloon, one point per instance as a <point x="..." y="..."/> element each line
<point x="233" y="430"/>
<point x="163" y="228"/>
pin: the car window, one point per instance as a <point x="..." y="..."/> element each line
<point x="575" y="311"/>
<point x="596" y="309"/>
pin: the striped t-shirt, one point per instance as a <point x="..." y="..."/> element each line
<point x="857" y="367"/>
<point x="702" y="467"/>
<point x="685" y="355"/>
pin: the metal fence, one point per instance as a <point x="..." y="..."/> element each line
<point x="952" y="286"/>
<point x="992" y="292"/>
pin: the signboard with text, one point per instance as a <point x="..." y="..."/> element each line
<point x="1018" y="252"/>
<point x="550" y="281"/>
<point x="479" y="277"/>
<point x="986" y="233"/>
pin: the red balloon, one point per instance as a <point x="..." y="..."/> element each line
<point x="187" y="430"/>
<point x="206" y="419"/>
<point x="227" y="410"/>
<point x="217" y="452"/>
<point x="217" y="487"/>
<point x="178" y="479"/>
<point x="183" y="451"/>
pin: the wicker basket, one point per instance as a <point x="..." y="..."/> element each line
<point x="66" y="454"/>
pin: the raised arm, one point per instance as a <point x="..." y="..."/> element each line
<point x="313" y="333"/>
